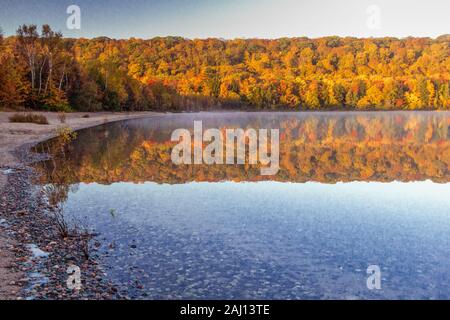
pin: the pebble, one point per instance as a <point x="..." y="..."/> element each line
<point x="27" y="210"/>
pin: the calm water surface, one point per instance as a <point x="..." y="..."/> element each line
<point x="353" y="190"/>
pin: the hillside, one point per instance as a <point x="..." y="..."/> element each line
<point x="44" y="70"/>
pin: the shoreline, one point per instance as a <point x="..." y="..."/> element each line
<point x="23" y="218"/>
<point x="16" y="135"/>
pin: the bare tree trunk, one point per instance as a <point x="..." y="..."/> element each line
<point x="48" y="83"/>
<point x="40" y="74"/>
<point x="62" y="77"/>
<point x="50" y="72"/>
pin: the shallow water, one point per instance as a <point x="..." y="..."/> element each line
<point x="353" y="190"/>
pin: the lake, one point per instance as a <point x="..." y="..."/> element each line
<point x="353" y="190"/>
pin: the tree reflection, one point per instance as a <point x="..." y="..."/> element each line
<point x="326" y="148"/>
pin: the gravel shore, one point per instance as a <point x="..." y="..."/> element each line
<point x="34" y="257"/>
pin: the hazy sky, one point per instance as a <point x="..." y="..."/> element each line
<point x="233" y="18"/>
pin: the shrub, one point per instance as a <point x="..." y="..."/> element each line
<point x="66" y="134"/>
<point x="55" y="107"/>
<point x="28" y="118"/>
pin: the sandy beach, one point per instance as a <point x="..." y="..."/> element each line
<point x="14" y="136"/>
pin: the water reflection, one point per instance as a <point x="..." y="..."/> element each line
<point x="326" y="148"/>
<point x="198" y="232"/>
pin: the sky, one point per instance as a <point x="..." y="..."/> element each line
<point x="231" y="19"/>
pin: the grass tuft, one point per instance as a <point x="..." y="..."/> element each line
<point x="28" y="118"/>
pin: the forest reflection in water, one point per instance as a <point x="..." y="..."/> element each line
<point x="324" y="147"/>
<point x="309" y="232"/>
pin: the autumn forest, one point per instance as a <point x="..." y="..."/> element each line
<point x="42" y="70"/>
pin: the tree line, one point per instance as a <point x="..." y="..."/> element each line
<point x="42" y="70"/>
